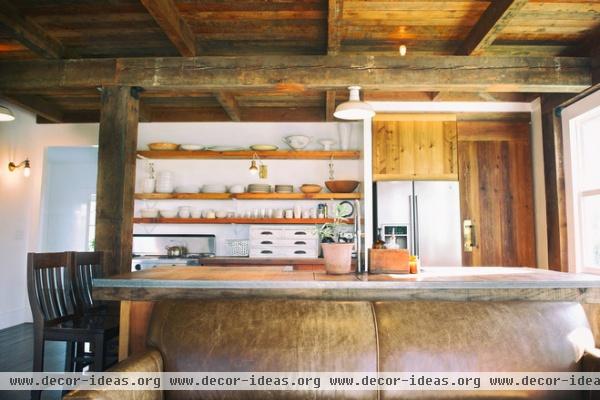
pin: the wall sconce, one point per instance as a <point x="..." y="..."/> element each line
<point x="6" y="114"/>
<point x="26" y="170"/>
<point x="257" y="167"/>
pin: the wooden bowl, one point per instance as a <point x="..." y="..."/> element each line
<point x="309" y="188"/>
<point x="162" y="146"/>
<point x="341" y="186"/>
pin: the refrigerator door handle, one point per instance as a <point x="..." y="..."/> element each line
<point x="411" y="226"/>
<point x="416" y="224"/>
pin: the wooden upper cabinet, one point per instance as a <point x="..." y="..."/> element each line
<point x="414" y="146"/>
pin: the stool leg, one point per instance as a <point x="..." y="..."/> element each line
<point x="38" y="358"/>
<point x="69" y="356"/>
<point x="98" y="365"/>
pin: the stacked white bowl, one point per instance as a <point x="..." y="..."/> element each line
<point x="164" y="182"/>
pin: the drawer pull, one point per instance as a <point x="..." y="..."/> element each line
<point x="266" y="252"/>
<point x="299" y="242"/>
<point x="266" y="233"/>
<point x="299" y="252"/>
<point x="300" y="233"/>
<point x="266" y="242"/>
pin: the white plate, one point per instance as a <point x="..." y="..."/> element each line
<point x="225" y="148"/>
<point x="187" y="189"/>
<point x="264" y="147"/>
<point x="191" y="147"/>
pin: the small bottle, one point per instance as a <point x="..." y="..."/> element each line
<point x="414" y="264"/>
<point x="379" y="243"/>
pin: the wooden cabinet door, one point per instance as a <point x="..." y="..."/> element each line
<point x="496" y="192"/>
<point x="409" y="146"/>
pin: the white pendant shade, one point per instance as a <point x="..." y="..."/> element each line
<point x="6" y="114"/>
<point x="354" y="109"/>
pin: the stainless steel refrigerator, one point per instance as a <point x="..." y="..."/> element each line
<point x="424" y="217"/>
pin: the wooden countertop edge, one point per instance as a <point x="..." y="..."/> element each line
<point x="591" y="295"/>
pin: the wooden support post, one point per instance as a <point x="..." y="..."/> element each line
<point x="329" y="105"/>
<point x="116" y="176"/>
<point x="556" y="212"/>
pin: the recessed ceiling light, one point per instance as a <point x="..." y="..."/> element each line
<point x="402" y="50"/>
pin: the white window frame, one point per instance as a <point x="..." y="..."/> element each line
<point x="573" y="117"/>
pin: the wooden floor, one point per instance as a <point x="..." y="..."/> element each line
<point x="16" y="354"/>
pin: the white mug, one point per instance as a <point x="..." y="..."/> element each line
<point x="289" y="214"/>
<point x="278" y="213"/>
<point x="297" y="212"/>
<point x="184" y="212"/>
<point x="148" y="185"/>
<point x="196" y="213"/>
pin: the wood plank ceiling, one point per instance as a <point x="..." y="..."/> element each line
<point x="72" y="29"/>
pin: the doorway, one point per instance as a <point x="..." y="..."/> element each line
<point x="69" y="199"/>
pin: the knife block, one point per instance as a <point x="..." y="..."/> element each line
<point x="384" y="261"/>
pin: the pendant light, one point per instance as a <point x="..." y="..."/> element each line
<point x="354" y="109"/>
<point x="6" y="114"/>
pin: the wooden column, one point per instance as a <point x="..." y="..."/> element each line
<point x="556" y="212"/>
<point x="116" y="176"/>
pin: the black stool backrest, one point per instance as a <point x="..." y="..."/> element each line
<point x="50" y="287"/>
<point x="86" y="266"/>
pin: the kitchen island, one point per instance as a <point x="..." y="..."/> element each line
<point x="138" y="290"/>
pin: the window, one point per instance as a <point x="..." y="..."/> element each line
<point x="581" y="127"/>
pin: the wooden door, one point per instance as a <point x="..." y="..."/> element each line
<point x="496" y="192"/>
<point x="414" y="146"/>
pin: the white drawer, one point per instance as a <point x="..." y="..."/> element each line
<point x="283" y="252"/>
<point x="265" y="233"/>
<point x="283" y="242"/>
<point x="303" y="233"/>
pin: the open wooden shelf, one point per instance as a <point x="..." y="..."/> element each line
<point x="247" y="196"/>
<point x="268" y="221"/>
<point x="248" y="154"/>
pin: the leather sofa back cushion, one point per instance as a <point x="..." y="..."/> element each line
<point x="264" y="335"/>
<point x="481" y="336"/>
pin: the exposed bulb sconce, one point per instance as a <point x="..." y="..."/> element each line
<point x="26" y="170"/>
<point x="257" y="167"/>
<point x="6" y="114"/>
<point x="354" y="109"/>
<point x="402" y="50"/>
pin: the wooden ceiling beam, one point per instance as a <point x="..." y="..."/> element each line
<point x="329" y="105"/>
<point x="427" y="73"/>
<point x="36" y="105"/>
<point x="490" y="24"/>
<point x="229" y="104"/>
<point x="167" y="16"/>
<point x="28" y="33"/>
<point x="334" y="31"/>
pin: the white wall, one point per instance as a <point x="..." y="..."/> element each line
<point x="228" y="172"/>
<point x="20" y="210"/>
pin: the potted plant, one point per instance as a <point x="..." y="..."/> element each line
<point x="337" y="254"/>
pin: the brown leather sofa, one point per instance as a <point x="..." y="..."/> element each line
<point x="389" y="336"/>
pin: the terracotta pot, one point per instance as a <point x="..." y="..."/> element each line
<point x="338" y="258"/>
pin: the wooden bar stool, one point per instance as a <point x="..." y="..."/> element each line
<point x="57" y="312"/>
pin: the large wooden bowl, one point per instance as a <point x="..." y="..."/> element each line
<point x="162" y="146"/>
<point x="309" y="188"/>
<point x="341" y="186"/>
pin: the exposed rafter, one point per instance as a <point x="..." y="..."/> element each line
<point x="334" y="20"/>
<point x="229" y="104"/>
<point x="30" y="34"/>
<point x="432" y="73"/>
<point x="167" y="16"/>
<point x="36" y="105"/>
<point x="490" y="24"/>
<point x="329" y="105"/>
